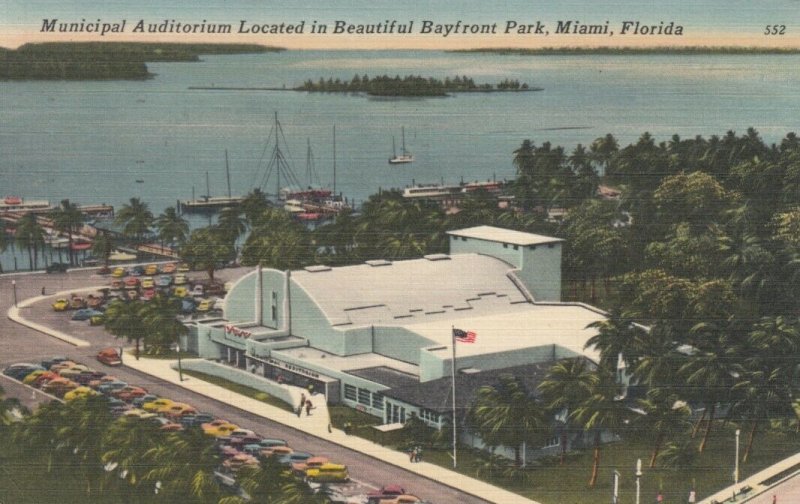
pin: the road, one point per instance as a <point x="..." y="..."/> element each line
<point x="20" y="344"/>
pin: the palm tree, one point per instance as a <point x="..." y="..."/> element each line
<point x="30" y="235"/>
<point x="172" y="228"/>
<point x="664" y="415"/>
<point x="124" y="320"/>
<point x="617" y="336"/>
<point x="8" y="409"/>
<point x="125" y="444"/>
<point x="568" y="384"/>
<point x="207" y="248"/>
<point x="136" y="219"/>
<point x="507" y="414"/>
<point x="3" y="241"/>
<point x="184" y="464"/>
<point x="103" y="246"/>
<point x="67" y="218"/>
<point x="39" y="432"/>
<point x="253" y="204"/>
<point x="231" y="223"/>
<point x="601" y="411"/>
<point x="159" y="317"/>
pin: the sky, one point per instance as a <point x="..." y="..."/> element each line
<point x="704" y="22"/>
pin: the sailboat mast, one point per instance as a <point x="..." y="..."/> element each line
<point x="208" y="187"/>
<point x="277" y="158"/>
<point x="334" y="161"/>
<point x="403" y="134"/>
<point x="228" y="173"/>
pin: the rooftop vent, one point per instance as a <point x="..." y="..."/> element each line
<point x="317" y="268"/>
<point x="437" y="257"/>
<point x="378" y="262"/>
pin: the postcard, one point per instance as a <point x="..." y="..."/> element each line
<point x="385" y="251"/>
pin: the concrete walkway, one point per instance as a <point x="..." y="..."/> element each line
<point x="317" y="424"/>
<point x="755" y="482"/>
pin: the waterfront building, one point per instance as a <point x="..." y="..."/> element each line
<point x="378" y="336"/>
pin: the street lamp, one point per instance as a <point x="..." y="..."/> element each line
<point x="180" y="369"/>
<point x="14" y="288"/>
<point x="736" y="466"/>
<point x="615" y="496"/>
<point x="638" y="475"/>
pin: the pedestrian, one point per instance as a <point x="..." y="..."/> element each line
<point x="692" y="496"/>
<point x="302" y="403"/>
<point x="330" y="428"/>
<point x="43" y="290"/>
<point x="309" y="407"/>
<point x="418" y="454"/>
<point x="774" y="499"/>
<point x="412" y="455"/>
<point x="659" y="497"/>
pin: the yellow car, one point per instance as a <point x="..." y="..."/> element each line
<point x="31" y="377"/>
<point x="205" y="305"/>
<point x="150" y="269"/>
<point x="138" y="413"/>
<point x="147" y="282"/>
<point x="79" y="392"/>
<point x="181" y="292"/>
<point x="183" y="268"/>
<point x="152" y="407"/>
<point x="61" y="304"/>
<point x="174" y="406"/>
<point x="224" y="429"/>
<point x="328" y="473"/>
<point x="118" y="273"/>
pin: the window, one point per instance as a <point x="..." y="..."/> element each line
<point x="274" y="306"/>
<point x="349" y="392"/>
<point x="551" y="245"/>
<point x="463" y="238"/>
<point x="377" y="401"/>
<point x="364" y="396"/>
<point x="553" y="441"/>
<point x="429" y="416"/>
<point x="516" y="247"/>
<point x="505" y="245"/>
<point x="532" y="247"/>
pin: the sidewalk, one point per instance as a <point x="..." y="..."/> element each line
<point x="317" y="425"/>
<point x="755" y="482"/>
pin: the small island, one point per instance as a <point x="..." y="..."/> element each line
<point x="104" y="60"/>
<point x="410" y="85"/>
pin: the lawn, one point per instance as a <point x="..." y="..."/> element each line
<point x="244" y="390"/>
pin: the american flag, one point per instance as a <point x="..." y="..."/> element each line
<point x="464" y="336"/>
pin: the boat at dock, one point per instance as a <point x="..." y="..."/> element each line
<point x="210" y="203"/>
<point x="405" y="156"/>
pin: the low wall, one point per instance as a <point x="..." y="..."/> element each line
<point x="282" y="392"/>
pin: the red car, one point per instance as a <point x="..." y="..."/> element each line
<point x="109" y="357"/>
<point x="129" y="393"/>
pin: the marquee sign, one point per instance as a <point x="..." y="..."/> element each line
<point x="231" y="329"/>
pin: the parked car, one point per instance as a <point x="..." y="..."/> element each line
<point x="151" y="269"/>
<point x="109" y="357"/>
<point x="20" y="370"/>
<point x="147" y="282"/>
<point x="153" y="406"/>
<point x="293" y="458"/>
<point x="77" y="302"/>
<point x="85" y="314"/>
<point x="97" y="320"/>
<point x="270" y="442"/>
<point x="180" y="279"/>
<point x="177" y="410"/>
<point x="79" y="392"/>
<point x="171" y="427"/>
<point x="59" y="386"/>
<point x="86" y="377"/>
<point x="109" y="388"/>
<point x="240" y="442"/>
<point x="57" y="268"/>
<point x="187" y="304"/>
<point x="183" y="268"/>
<point x="164" y="281"/>
<point x="148" y="294"/>
<point x="118" y="273"/>
<point x="198" y="290"/>
<point x="277" y="451"/>
<point x="73" y="371"/>
<point x="136" y="271"/>
<point x="169" y="268"/>
<point x="34" y="375"/>
<point x="62" y="365"/>
<point x="131" y="282"/>
<point x="43" y="378"/>
<point x="196" y="419"/>
<point x="238" y="461"/>
<point x="300" y="468"/>
<point x="61" y="304"/>
<point x="138" y="413"/>
<point x="393" y="499"/>
<point x="205" y="305"/>
<point x="328" y="473"/>
<point x="139" y="401"/>
<point x="219" y="428"/>
<point x="128" y="393"/>
<point x="116" y="406"/>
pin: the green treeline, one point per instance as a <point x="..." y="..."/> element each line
<point x="410" y="85"/>
<point x="612" y="50"/>
<point x="102" y="60"/>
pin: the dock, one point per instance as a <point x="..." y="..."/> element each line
<point x="209" y="204"/>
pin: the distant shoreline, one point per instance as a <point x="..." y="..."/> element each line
<point x="301" y="90"/>
<point x="649" y="51"/>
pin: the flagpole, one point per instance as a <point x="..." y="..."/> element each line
<point x="453" y="374"/>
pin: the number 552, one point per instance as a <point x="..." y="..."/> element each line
<point x="775" y="30"/>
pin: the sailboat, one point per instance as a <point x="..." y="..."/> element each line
<point x="405" y="156"/>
